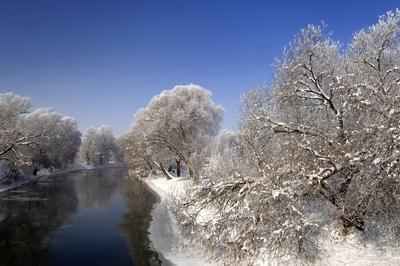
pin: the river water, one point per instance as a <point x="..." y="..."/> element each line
<point x="91" y="218"/>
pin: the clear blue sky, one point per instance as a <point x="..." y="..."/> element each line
<point x="99" y="61"/>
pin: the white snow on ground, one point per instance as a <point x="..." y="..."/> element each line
<point x="347" y="252"/>
<point x="165" y="236"/>
<point x="80" y="167"/>
<point x="164" y="232"/>
<point x="352" y="252"/>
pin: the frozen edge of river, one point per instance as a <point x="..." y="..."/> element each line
<point x="164" y="233"/>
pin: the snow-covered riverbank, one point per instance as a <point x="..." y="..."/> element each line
<point x="165" y="237"/>
<point x="164" y="232"/>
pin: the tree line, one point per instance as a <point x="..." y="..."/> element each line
<point x="44" y="139"/>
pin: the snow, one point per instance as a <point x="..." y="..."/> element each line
<point x="353" y="253"/>
<point x="80" y="167"/>
<point x="165" y="237"/>
<point x="349" y="252"/>
<point x="164" y="230"/>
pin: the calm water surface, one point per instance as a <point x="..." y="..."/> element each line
<point x="88" y="218"/>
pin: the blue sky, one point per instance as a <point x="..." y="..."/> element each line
<point x="99" y="61"/>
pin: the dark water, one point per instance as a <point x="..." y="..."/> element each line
<point x="88" y="218"/>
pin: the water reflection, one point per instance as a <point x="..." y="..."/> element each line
<point x="29" y="216"/>
<point x="84" y="218"/>
<point x="95" y="189"/>
<point x="138" y="216"/>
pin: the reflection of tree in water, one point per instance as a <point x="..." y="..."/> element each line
<point x="96" y="188"/>
<point x="136" y="221"/>
<point x="29" y="219"/>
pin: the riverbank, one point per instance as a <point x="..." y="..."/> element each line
<point x="164" y="231"/>
<point x="25" y="180"/>
<point x="166" y="237"/>
<point x="44" y="174"/>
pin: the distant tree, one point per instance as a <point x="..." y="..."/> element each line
<point x="180" y="121"/>
<point x="99" y="146"/>
<point x="42" y="139"/>
<point x="59" y="144"/>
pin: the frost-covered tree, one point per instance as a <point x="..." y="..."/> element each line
<point x="58" y="145"/>
<point x="143" y="159"/>
<point x="226" y="157"/>
<point x="136" y="158"/>
<point x="12" y="135"/>
<point x="41" y="139"/>
<point x="373" y="76"/>
<point x="99" y="146"/>
<point x="180" y="121"/>
<point x="319" y="150"/>
<point x="335" y="109"/>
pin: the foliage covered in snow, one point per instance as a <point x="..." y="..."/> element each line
<point x="176" y="125"/>
<point x="60" y="143"/>
<point x="316" y="154"/>
<point x="316" y="151"/>
<point x="99" y="146"/>
<point x="41" y="139"/>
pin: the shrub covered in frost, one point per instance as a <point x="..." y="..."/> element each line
<point x="318" y="148"/>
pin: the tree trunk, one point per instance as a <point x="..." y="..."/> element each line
<point x="178" y="167"/>
<point x="149" y="164"/>
<point x="164" y="171"/>
<point x="35" y="171"/>
<point x="351" y="218"/>
<point x="193" y="175"/>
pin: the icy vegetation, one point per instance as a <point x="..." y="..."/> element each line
<point x="177" y="125"/>
<point x="99" y="146"/>
<point x="43" y="142"/>
<point x="33" y="141"/>
<point x="315" y="158"/>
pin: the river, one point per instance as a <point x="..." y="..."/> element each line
<point x="90" y="218"/>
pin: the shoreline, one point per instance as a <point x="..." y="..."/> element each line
<point x="164" y="236"/>
<point x="43" y="177"/>
<point x="163" y="231"/>
<point x="157" y="203"/>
